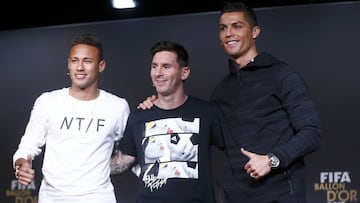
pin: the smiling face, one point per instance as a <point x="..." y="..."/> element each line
<point x="84" y="66"/>
<point x="237" y="36"/>
<point x="166" y="73"/>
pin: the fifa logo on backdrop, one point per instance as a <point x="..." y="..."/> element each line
<point x="21" y="193"/>
<point x="335" y="184"/>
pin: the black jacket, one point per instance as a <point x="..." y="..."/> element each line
<point x="266" y="107"/>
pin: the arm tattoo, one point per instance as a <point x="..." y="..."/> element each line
<point x="118" y="168"/>
<point x="120" y="163"/>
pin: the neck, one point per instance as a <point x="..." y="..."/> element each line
<point x="82" y="94"/>
<point x="243" y="61"/>
<point x="171" y="101"/>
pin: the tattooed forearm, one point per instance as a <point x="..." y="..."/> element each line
<point x="118" y="168"/>
<point x="120" y="163"/>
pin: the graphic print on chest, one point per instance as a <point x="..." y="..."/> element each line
<point x="170" y="150"/>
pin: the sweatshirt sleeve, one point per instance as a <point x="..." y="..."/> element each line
<point x="122" y="121"/>
<point x="303" y="116"/>
<point x="33" y="139"/>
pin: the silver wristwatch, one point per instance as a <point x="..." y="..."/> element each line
<point x="274" y="161"/>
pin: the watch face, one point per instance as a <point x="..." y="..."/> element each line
<point x="274" y="162"/>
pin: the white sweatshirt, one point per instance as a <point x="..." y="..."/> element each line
<point x="79" y="138"/>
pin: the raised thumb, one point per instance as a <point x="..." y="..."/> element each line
<point x="29" y="160"/>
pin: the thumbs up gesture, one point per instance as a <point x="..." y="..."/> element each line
<point x="24" y="172"/>
<point x="257" y="166"/>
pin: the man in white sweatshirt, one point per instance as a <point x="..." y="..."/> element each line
<point x="78" y="125"/>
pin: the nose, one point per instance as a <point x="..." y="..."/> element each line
<point x="228" y="32"/>
<point x="80" y="66"/>
<point x="157" y="70"/>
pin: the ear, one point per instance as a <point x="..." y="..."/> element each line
<point x="185" y="72"/>
<point x="102" y="66"/>
<point x="256" y="31"/>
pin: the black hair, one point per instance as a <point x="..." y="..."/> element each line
<point x="182" y="55"/>
<point x="90" y="40"/>
<point x="238" y="6"/>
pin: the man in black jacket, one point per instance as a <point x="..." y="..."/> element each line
<point x="269" y="118"/>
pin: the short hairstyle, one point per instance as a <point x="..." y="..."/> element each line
<point x="89" y="39"/>
<point x="238" y="6"/>
<point x="180" y="51"/>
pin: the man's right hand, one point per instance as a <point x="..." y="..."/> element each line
<point x="24" y="172"/>
<point x="148" y="103"/>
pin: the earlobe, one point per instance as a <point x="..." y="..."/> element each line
<point x="255" y="34"/>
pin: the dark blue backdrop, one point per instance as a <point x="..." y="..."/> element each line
<point x="320" y="41"/>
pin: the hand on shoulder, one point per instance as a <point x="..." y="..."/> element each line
<point x="147" y="103"/>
